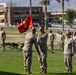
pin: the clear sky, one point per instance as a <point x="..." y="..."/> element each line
<point x="54" y="6"/>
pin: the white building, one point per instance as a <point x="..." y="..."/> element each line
<point x="7" y="4"/>
<point x="4" y="11"/>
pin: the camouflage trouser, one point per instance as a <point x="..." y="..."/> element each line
<point x="42" y="59"/>
<point x="61" y="46"/>
<point x="58" y="44"/>
<point x="27" y="59"/>
<point x="68" y="61"/>
<point x="2" y="44"/>
<point x="75" y="49"/>
<point x="52" y="45"/>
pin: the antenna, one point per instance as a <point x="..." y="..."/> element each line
<point x="30" y="7"/>
<point x="11" y="3"/>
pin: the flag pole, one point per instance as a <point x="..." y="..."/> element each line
<point x="30" y="7"/>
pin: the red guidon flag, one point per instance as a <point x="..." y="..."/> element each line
<point x="26" y="24"/>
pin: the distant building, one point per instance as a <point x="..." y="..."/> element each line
<point x="13" y="15"/>
<point x="7" y="4"/>
<point x="10" y="14"/>
<point x="55" y="15"/>
<point x="5" y="13"/>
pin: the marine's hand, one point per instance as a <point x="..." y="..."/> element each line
<point x="72" y="54"/>
<point x="38" y="53"/>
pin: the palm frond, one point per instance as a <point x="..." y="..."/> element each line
<point x="58" y="1"/>
<point x="45" y="2"/>
<point x="61" y="0"/>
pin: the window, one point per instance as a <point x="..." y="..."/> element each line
<point x="37" y="12"/>
<point x="2" y="20"/>
<point x="1" y="13"/>
<point x="16" y="13"/>
<point x="33" y="12"/>
<point x="35" y="20"/>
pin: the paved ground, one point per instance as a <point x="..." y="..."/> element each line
<point x="57" y="28"/>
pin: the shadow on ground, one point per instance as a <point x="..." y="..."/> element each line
<point x="61" y="73"/>
<point x="8" y="73"/>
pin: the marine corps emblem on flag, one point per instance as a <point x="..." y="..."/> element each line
<point x="26" y="24"/>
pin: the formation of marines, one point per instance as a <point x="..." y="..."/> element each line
<point x="65" y="43"/>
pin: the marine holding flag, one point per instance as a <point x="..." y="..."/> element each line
<point x="30" y="38"/>
<point x="26" y="24"/>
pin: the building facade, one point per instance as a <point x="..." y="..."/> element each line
<point x="13" y="15"/>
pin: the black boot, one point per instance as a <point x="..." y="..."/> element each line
<point x="45" y="71"/>
<point x="42" y="71"/>
<point x="28" y="71"/>
<point x="70" y="71"/>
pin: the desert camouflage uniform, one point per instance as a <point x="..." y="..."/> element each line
<point x="51" y="40"/>
<point x="42" y="42"/>
<point x="27" y="49"/>
<point x="68" y="53"/>
<point x="74" y="37"/>
<point x="2" y="39"/>
<point x="61" y="42"/>
<point x="57" y="39"/>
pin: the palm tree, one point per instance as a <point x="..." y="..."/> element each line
<point x="62" y="11"/>
<point x="45" y="3"/>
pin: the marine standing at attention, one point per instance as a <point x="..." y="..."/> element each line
<point x="42" y="43"/>
<point x="2" y="38"/>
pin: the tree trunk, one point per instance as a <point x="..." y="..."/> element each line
<point x="63" y="14"/>
<point x="45" y="20"/>
<point x="70" y="26"/>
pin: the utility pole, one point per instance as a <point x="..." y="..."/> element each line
<point x="30" y="7"/>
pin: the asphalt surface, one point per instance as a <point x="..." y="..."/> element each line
<point x="58" y="28"/>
